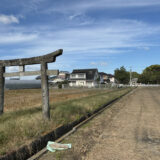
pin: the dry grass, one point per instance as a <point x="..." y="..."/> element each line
<point x="29" y="98"/>
<point x="23" y="122"/>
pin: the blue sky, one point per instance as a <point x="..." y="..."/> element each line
<point x="103" y="34"/>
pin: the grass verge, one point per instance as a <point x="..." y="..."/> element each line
<point x="21" y="127"/>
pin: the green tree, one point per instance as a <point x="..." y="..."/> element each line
<point x="150" y="75"/>
<point x="122" y="75"/>
<point x="135" y="75"/>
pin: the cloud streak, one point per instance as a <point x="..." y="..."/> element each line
<point x="85" y="5"/>
<point x="12" y="38"/>
<point x="87" y="30"/>
<point x="110" y="37"/>
<point x="8" y="19"/>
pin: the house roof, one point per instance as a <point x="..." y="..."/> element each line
<point x="66" y="72"/>
<point x="109" y="75"/>
<point x="102" y="73"/>
<point x="90" y="73"/>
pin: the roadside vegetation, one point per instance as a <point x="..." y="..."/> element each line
<point x="150" y="75"/>
<point x="22" y="121"/>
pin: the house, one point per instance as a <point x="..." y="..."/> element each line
<point x="103" y="77"/>
<point x="134" y="82"/>
<point x="56" y="79"/>
<point x="84" y="77"/>
<point x="64" y="75"/>
<point x="106" y="78"/>
<point x="111" y="78"/>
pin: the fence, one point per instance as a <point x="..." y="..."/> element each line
<point x="101" y="86"/>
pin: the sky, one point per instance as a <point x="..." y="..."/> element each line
<point x="103" y="34"/>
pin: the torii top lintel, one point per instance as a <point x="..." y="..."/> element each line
<point x="51" y="57"/>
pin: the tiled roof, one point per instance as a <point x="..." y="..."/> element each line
<point x="90" y="73"/>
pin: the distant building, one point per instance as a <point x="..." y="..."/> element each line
<point x="134" y="81"/>
<point x="64" y="75"/>
<point x="103" y="77"/>
<point x="106" y="78"/>
<point x="111" y="78"/>
<point x="84" y="77"/>
<point x="56" y="79"/>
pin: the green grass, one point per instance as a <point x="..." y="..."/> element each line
<point x="22" y="126"/>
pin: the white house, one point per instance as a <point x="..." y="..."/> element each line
<point x="64" y="75"/>
<point x="106" y="78"/>
<point x="84" y="77"/>
<point x="56" y="79"/>
<point x="111" y="78"/>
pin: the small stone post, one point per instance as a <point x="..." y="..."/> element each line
<point x="45" y="91"/>
<point x="2" y="83"/>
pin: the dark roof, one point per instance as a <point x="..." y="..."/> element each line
<point x="102" y="73"/>
<point x="109" y="75"/>
<point x="90" y="73"/>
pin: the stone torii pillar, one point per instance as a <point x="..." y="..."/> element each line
<point x="2" y="83"/>
<point x="45" y="91"/>
<point x="44" y="72"/>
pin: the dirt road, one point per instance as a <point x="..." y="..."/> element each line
<point x="128" y="130"/>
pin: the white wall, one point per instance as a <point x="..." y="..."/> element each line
<point x="77" y="76"/>
<point x="80" y="83"/>
<point x="112" y="79"/>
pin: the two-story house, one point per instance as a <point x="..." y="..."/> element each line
<point x="106" y="78"/>
<point x="84" y="77"/>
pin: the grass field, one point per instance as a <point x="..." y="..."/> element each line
<point x="22" y="121"/>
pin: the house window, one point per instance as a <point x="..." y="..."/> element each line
<point x="73" y="76"/>
<point x="81" y="76"/>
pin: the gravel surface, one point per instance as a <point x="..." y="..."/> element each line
<point x="128" y="130"/>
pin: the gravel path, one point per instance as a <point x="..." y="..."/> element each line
<point x="128" y="130"/>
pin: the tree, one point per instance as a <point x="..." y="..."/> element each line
<point x="151" y="75"/>
<point x="135" y="75"/>
<point x="122" y="75"/>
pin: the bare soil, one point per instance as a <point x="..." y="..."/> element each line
<point x="128" y="130"/>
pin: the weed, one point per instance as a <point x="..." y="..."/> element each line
<point x="25" y="124"/>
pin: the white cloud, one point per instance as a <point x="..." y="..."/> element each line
<point x="93" y="63"/>
<point x="80" y="19"/>
<point x="8" y="38"/>
<point x="74" y="16"/>
<point x="104" y="38"/>
<point x="116" y="3"/>
<point x="85" y="5"/>
<point x="84" y="43"/>
<point x="8" y="19"/>
<point x="35" y="67"/>
<point x="98" y="64"/>
<point x="103" y="64"/>
<point x="114" y="34"/>
<point x="12" y="69"/>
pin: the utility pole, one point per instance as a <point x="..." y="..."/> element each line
<point x="130" y="76"/>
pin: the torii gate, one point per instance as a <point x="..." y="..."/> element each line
<point x="44" y="72"/>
